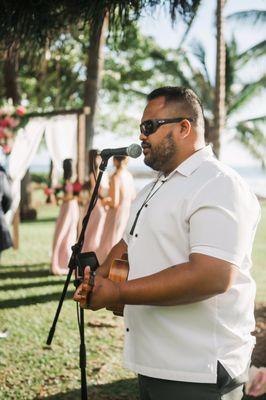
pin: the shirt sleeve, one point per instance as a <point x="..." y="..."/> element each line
<point x="223" y="219"/>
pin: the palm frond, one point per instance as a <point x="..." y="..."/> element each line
<point x="255" y="120"/>
<point x="247" y="92"/>
<point x="200" y="53"/>
<point x="253" y="137"/>
<point x="251" y="16"/>
<point x="36" y="20"/>
<point x="190" y="23"/>
<point x="253" y="52"/>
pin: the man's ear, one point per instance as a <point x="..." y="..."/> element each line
<point x="185" y="129"/>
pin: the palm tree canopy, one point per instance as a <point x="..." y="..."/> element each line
<point x="36" y="20"/>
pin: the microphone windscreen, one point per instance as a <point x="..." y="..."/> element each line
<point x="134" y="150"/>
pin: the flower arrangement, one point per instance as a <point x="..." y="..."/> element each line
<point x="11" y="119"/>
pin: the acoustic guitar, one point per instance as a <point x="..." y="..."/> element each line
<point x="119" y="273"/>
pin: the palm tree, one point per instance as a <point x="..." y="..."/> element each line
<point x="219" y="101"/>
<point x="237" y="95"/>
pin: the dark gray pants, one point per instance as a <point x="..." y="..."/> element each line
<point x="226" y="388"/>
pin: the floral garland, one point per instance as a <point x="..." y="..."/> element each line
<point x="12" y="118"/>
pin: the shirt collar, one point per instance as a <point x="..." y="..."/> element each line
<point x="191" y="163"/>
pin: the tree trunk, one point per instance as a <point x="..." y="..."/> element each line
<point x="219" y="104"/>
<point x="11" y="74"/>
<point x="94" y="69"/>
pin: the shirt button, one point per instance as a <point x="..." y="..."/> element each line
<point x="127" y="329"/>
<point x="136" y="235"/>
<point x="146" y="205"/>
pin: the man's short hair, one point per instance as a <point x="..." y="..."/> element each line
<point x="184" y="97"/>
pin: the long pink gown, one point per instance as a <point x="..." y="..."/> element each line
<point x="65" y="236"/>
<point x="116" y="218"/>
<point x="94" y="228"/>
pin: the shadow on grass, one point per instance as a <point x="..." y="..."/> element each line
<point x="120" y="390"/>
<point x="16" y="286"/>
<point x="40" y="220"/>
<point x="28" y="301"/>
<point x="24" y="274"/>
<point x="19" y="266"/>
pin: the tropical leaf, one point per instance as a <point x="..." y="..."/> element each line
<point x="200" y="53"/>
<point x="36" y="20"/>
<point x="253" y="137"/>
<point x="245" y="94"/>
<point x="190" y="23"/>
<point x="255" y="120"/>
<point x="256" y="51"/>
<point x="251" y="16"/>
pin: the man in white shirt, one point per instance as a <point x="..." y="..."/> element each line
<point x="189" y="297"/>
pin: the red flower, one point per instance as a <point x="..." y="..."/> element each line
<point x="77" y="187"/>
<point x="4" y="122"/>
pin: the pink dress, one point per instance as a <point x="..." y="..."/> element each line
<point x="65" y="236"/>
<point x="94" y="228"/>
<point x="116" y="218"/>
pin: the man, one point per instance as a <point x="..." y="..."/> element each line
<point x="189" y="296"/>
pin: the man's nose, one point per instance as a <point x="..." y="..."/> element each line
<point x="142" y="136"/>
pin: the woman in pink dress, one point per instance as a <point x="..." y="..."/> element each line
<point x="66" y="225"/>
<point x="121" y="194"/>
<point x="95" y="225"/>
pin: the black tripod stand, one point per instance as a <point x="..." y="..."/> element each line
<point x="78" y="261"/>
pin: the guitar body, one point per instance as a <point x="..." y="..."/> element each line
<point x="119" y="273"/>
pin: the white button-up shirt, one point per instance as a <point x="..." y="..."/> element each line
<point x="201" y="207"/>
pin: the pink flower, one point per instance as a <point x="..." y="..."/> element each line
<point x="21" y="111"/>
<point x="4" y="122"/>
<point x="6" y="149"/>
<point x="2" y="134"/>
<point x="13" y="122"/>
<point x="48" y="191"/>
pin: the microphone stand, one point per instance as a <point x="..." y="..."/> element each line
<point x="76" y="261"/>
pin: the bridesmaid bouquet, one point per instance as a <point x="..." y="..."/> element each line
<point x="11" y="119"/>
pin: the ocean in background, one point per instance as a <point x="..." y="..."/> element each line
<point x="233" y="154"/>
<point x="253" y="175"/>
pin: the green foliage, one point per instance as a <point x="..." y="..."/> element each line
<point x="39" y="177"/>
<point x="36" y="21"/>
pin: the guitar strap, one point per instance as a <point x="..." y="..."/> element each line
<point x="149" y="196"/>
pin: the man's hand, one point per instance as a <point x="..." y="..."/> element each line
<point x="104" y="293"/>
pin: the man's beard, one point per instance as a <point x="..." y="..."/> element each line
<point x="160" y="154"/>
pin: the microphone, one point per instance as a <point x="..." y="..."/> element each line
<point x="134" y="151"/>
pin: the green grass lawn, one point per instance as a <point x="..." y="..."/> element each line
<point x="28" y="300"/>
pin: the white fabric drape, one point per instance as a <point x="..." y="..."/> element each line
<point x="61" y="139"/>
<point x="24" y="149"/>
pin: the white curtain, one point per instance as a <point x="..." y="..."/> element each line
<point x="24" y="149"/>
<point x="61" y="139"/>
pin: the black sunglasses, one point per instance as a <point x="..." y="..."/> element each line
<point x="151" y="125"/>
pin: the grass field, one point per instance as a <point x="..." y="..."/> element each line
<point x="29" y="296"/>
